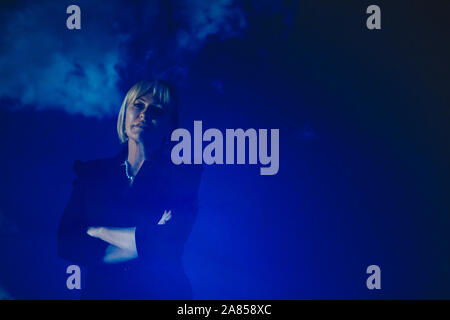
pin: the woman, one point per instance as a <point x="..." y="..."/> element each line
<point x="128" y="217"/>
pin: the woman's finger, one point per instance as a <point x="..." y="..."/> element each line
<point x="93" y="231"/>
<point x="165" y="217"/>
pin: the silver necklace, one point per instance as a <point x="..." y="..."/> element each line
<point x="130" y="178"/>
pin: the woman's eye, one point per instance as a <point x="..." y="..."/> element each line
<point x="157" y="111"/>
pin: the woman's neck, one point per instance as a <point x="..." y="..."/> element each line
<point x="136" y="156"/>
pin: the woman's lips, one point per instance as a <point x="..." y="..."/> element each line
<point x="141" y="125"/>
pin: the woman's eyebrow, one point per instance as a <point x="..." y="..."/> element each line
<point x="139" y="100"/>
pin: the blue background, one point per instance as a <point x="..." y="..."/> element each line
<point x="364" y="138"/>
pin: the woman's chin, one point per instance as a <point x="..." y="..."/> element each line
<point x="141" y="138"/>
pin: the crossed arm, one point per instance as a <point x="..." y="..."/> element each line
<point x="122" y="241"/>
<point x="91" y="245"/>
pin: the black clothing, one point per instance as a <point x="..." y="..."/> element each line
<point x="102" y="196"/>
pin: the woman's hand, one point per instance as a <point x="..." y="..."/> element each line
<point x="165" y="217"/>
<point x="115" y="254"/>
<point x="122" y="243"/>
<point x="122" y="240"/>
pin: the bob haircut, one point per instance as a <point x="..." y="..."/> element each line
<point x="162" y="92"/>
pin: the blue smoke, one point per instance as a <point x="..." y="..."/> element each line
<point x="46" y="66"/>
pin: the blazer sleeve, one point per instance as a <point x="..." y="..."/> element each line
<point x="74" y="244"/>
<point x="166" y="242"/>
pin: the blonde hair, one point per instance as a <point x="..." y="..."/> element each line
<point x="159" y="90"/>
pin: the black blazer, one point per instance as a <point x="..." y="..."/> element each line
<point x="102" y="196"/>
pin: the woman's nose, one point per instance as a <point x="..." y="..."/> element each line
<point x="142" y="115"/>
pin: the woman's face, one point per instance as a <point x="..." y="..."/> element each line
<point x="147" y="120"/>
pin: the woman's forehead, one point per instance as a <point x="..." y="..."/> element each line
<point x="147" y="98"/>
